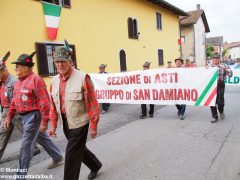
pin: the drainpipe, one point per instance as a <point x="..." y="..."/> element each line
<point x="180" y="35"/>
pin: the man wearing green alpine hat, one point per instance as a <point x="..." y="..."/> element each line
<point x="74" y="103"/>
<point x="7" y="81"/>
<point x="31" y="101"/>
<point x="223" y="72"/>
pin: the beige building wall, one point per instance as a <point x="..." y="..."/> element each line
<point x="188" y="44"/>
<point x="200" y="52"/>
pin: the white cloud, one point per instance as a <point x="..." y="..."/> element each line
<point x="223" y="16"/>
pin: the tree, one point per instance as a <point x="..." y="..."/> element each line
<point x="224" y="53"/>
<point x="209" y="51"/>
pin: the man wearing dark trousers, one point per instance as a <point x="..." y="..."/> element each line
<point x="146" y="66"/>
<point x="223" y="72"/>
<point x="181" y="107"/>
<point x="7" y="82"/>
<point x="104" y="106"/>
<point x="74" y="103"/>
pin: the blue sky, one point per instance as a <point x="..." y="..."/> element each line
<point x="223" y="16"/>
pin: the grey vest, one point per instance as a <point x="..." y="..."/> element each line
<point x="11" y="80"/>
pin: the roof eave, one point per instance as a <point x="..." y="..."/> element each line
<point x="169" y="7"/>
<point x="207" y="29"/>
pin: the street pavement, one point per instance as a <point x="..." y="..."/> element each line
<point x="162" y="147"/>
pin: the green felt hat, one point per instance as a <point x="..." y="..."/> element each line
<point x="25" y="60"/>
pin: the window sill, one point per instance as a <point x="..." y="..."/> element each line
<point x="133" y="38"/>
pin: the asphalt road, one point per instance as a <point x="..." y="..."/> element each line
<point x="119" y="115"/>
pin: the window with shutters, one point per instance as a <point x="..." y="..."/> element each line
<point x="64" y="3"/>
<point x="135" y="29"/>
<point x="132" y="28"/>
<point x="123" y="63"/>
<point x="45" y="62"/>
<point x="159" y="21"/>
<point x="160" y="57"/>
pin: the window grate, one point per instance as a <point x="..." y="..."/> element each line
<point x="46" y="66"/>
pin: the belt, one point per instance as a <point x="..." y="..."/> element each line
<point x="221" y="82"/>
<point x="5" y="107"/>
<point x="27" y="112"/>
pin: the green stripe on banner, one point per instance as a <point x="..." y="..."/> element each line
<point x="214" y="78"/>
<point x="51" y="9"/>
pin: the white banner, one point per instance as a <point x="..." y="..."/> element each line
<point x="190" y="86"/>
<point x="235" y="79"/>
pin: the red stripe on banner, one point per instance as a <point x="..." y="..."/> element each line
<point x="52" y="32"/>
<point x="214" y="92"/>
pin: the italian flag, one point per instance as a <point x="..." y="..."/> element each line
<point x="52" y="16"/>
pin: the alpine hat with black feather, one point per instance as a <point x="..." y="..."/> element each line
<point x="3" y="61"/>
<point x="25" y="60"/>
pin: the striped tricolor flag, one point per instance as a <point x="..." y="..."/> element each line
<point x="52" y="16"/>
<point x="209" y="94"/>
